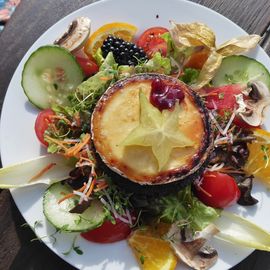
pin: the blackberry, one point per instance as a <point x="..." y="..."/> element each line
<point x="125" y="53"/>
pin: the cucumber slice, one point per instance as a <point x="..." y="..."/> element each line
<point x="240" y="69"/>
<point x="58" y="214"/>
<point x="50" y="74"/>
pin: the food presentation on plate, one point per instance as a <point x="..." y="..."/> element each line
<point x="153" y="135"/>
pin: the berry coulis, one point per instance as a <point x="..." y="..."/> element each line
<point x="163" y="96"/>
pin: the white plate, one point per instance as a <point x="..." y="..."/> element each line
<point x="18" y="141"/>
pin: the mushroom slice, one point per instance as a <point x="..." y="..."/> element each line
<point x="76" y="35"/>
<point x="251" y="111"/>
<point x="193" y="251"/>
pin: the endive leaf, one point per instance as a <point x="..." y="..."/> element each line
<point x="46" y="169"/>
<point x="240" y="231"/>
<point x="238" y="45"/>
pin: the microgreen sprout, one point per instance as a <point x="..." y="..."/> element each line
<point x="265" y="150"/>
<point x="73" y="247"/>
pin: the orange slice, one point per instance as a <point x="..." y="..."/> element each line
<point x="152" y="252"/>
<point x="122" y="30"/>
<point x="258" y="162"/>
<point x="263" y="136"/>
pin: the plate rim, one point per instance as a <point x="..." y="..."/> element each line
<point x="30" y="49"/>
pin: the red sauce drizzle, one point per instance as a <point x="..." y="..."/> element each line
<point x="163" y="96"/>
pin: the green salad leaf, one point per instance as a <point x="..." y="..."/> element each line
<point x="184" y="208"/>
<point x="99" y="57"/>
<point x="125" y="71"/>
<point x="88" y="92"/>
<point x="157" y="64"/>
<point x="190" y="75"/>
<point x="108" y="63"/>
<point x="179" y="54"/>
<point x="170" y="45"/>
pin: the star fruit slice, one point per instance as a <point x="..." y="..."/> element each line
<point x="159" y="130"/>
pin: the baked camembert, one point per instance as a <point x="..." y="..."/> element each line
<point x="144" y="141"/>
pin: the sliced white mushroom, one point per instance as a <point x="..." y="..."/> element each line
<point x="76" y="35"/>
<point x="192" y="250"/>
<point x="251" y="110"/>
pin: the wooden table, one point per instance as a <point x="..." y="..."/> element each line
<point x="30" y="20"/>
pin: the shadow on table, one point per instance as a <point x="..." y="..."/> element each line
<point x="33" y="255"/>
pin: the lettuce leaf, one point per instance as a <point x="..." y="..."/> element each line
<point x="88" y="92"/>
<point x="179" y="54"/>
<point x="170" y="45"/>
<point x="99" y="57"/>
<point x="108" y="63"/>
<point x="184" y="208"/>
<point x="190" y="75"/>
<point x="157" y="64"/>
<point x="125" y="71"/>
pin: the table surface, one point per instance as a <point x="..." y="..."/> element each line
<point x="29" y="21"/>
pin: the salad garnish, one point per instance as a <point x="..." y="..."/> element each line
<point x="190" y="37"/>
<point x="150" y="139"/>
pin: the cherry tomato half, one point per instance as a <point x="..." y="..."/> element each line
<point x="87" y="63"/>
<point x="42" y="122"/>
<point x="108" y="232"/>
<point x="223" y="98"/>
<point x="218" y="190"/>
<point x="151" y="42"/>
<point x="241" y="123"/>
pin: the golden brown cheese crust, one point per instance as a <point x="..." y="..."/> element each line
<point x="117" y="114"/>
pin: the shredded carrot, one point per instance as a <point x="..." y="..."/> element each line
<point x="43" y="171"/>
<point x="58" y="142"/>
<point x="231" y="129"/>
<point x="74" y="150"/>
<point x="104" y="78"/>
<point x="204" y="191"/>
<point x="101" y="182"/>
<point x="62" y="142"/>
<point x="100" y="187"/>
<point x="211" y="175"/>
<point x="221" y="142"/>
<point x="77" y="119"/>
<point x="70" y="195"/>
<point x="91" y="188"/>
<point x="85" y="159"/>
<point x="209" y="94"/>
<point x="60" y="118"/>
<point x="53" y="127"/>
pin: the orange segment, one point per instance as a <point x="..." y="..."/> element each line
<point x="152" y="252"/>
<point x="122" y="30"/>
<point x="263" y="136"/>
<point x="258" y="162"/>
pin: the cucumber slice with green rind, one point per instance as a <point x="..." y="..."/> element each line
<point x="50" y="74"/>
<point x="58" y="214"/>
<point x="240" y="69"/>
